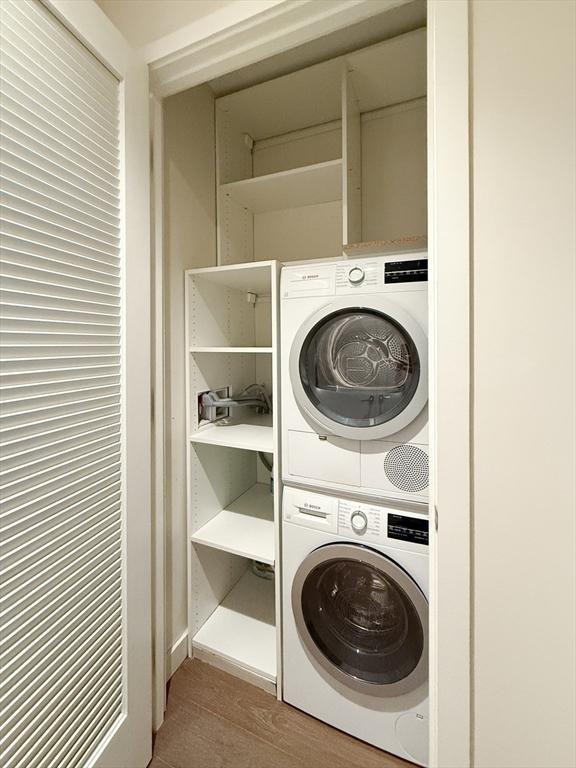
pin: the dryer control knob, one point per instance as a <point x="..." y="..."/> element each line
<point x="358" y="521"/>
<point x="356" y="275"/>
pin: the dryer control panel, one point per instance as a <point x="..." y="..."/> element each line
<point x="358" y="277"/>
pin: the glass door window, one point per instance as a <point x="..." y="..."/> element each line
<point x="359" y="367"/>
<point x="363" y="618"/>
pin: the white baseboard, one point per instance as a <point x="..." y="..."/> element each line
<point x="234" y="669"/>
<point x="177" y="654"/>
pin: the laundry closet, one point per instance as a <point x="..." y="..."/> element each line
<point x="277" y="164"/>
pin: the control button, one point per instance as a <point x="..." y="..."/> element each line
<point x="358" y="521"/>
<point x="356" y="275"/>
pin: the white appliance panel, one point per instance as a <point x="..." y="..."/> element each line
<point x="310" y="289"/>
<point x="399" y="723"/>
<point x="330" y="459"/>
<point x="396" y="469"/>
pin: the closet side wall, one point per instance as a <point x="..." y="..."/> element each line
<point x="394" y="172"/>
<point x="189" y="242"/>
<point x="523" y="150"/>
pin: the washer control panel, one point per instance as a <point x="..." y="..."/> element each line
<point x="363" y="520"/>
<point x="356" y="275"/>
<point x="380" y="525"/>
<point x="355" y="520"/>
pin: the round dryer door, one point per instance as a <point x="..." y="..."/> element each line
<point x="360" y="371"/>
<point x="363" y="619"/>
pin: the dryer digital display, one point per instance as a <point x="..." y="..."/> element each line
<point x="406" y="271"/>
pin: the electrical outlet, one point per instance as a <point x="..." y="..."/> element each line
<point x="210" y="415"/>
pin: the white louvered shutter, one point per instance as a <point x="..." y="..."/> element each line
<point x="61" y="558"/>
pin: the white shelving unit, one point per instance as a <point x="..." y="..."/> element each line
<point x="245" y="527"/>
<point x="308" y="185"/>
<point x="242" y="630"/>
<point x="250" y="434"/>
<point x="228" y="350"/>
<point x="233" y="513"/>
<point x="325" y="162"/>
<point x="328" y="160"/>
<point x="238" y="277"/>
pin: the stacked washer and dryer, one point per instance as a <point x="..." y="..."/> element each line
<point x="355" y="471"/>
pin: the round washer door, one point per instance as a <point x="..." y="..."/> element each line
<point x="360" y="371"/>
<point x="362" y="618"/>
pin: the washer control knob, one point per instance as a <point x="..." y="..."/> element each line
<point x="356" y="275"/>
<point x="358" y="521"/>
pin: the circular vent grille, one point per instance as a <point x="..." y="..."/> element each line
<point x="406" y="467"/>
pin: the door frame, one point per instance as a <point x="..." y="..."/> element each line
<point x="131" y="744"/>
<point x="286" y="25"/>
<point x="451" y="727"/>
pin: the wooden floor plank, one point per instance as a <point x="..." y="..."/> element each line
<point x="193" y="737"/>
<point x="215" y="720"/>
<point x="158" y="763"/>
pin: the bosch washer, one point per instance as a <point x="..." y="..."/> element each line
<point x="355" y="612"/>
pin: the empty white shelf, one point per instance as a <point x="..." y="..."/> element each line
<point x="311" y="184"/>
<point x="245" y="527"/>
<point x="242" y="629"/>
<point x="253" y="276"/>
<point x="241" y="350"/>
<point x="251" y="434"/>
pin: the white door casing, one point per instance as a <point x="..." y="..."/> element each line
<point x="179" y="66"/>
<point x="126" y="740"/>
<point x="451" y="720"/>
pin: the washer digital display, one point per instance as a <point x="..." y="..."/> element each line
<point x="404" y="528"/>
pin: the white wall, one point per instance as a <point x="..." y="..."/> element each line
<point x="524" y="253"/>
<point x="160" y="27"/>
<point x="394" y="172"/>
<point x="190" y="241"/>
<point x="143" y="21"/>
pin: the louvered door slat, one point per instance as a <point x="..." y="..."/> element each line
<point x="48" y="749"/>
<point x="60" y="220"/>
<point x="42" y="82"/>
<point x="32" y="155"/>
<point x="60" y="127"/>
<point x="78" y="647"/>
<point x="21" y="47"/>
<point x="59" y="42"/>
<point x="22" y="465"/>
<point x="61" y="402"/>
<point x="39" y="611"/>
<point x="19" y="170"/>
<point x="16" y="603"/>
<point x="53" y="618"/>
<point x="26" y="445"/>
<point x="27" y="188"/>
<point x="38" y="140"/>
<point x="55" y="753"/>
<point x="36" y="200"/>
<point x="16" y="482"/>
<point x="56" y="394"/>
<point x="31" y="455"/>
<point x="76" y="608"/>
<point x="24" y="122"/>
